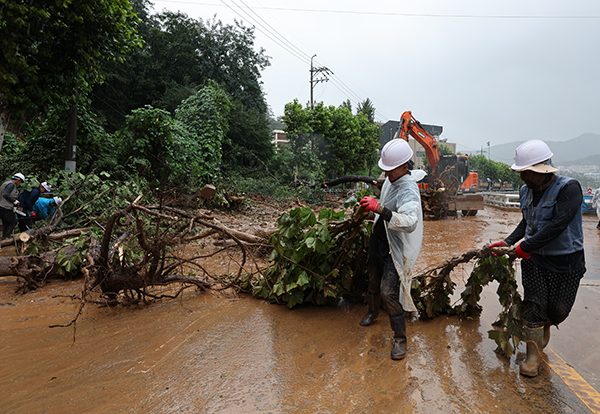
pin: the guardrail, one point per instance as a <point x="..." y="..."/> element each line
<point x="511" y="200"/>
<point x="504" y="200"/>
<point x="586" y="206"/>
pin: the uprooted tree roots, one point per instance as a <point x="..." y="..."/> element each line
<point x="143" y="248"/>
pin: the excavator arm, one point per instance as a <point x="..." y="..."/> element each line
<point x="409" y="126"/>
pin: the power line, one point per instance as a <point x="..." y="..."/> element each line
<point x="267" y="34"/>
<point x="290" y="47"/>
<point x="272" y="34"/>
<point x="280" y="36"/>
<point x="375" y="13"/>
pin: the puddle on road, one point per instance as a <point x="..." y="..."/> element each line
<point x="211" y="353"/>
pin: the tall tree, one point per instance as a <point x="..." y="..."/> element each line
<point x="52" y="51"/>
<point x="330" y="140"/>
<point x="181" y="54"/>
<point x="366" y="107"/>
<point x="347" y="104"/>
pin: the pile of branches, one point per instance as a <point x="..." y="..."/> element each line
<point x="433" y="289"/>
<point x="316" y="259"/>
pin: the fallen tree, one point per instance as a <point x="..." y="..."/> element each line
<point x="432" y="291"/>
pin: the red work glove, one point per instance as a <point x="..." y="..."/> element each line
<point x="522" y="254"/>
<point x="33" y="214"/>
<point x="497" y="244"/>
<point x="369" y="203"/>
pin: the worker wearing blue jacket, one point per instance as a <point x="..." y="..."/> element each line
<point x="45" y="207"/>
<point x="553" y="258"/>
<point x="27" y="200"/>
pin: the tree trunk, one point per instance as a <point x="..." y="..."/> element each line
<point x="353" y="179"/>
<point x="4" y="114"/>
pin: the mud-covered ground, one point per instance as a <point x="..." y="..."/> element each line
<point x="218" y="352"/>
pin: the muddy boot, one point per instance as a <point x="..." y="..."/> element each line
<point x="535" y="338"/>
<point x="546" y="339"/>
<point x="399" y="327"/>
<point x="374" y="303"/>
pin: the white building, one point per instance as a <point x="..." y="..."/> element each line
<point x="278" y="137"/>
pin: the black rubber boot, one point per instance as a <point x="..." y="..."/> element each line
<point x="535" y="339"/>
<point x="374" y="303"/>
<point x="398" y="323"/>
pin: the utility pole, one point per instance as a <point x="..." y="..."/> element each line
<point x="314" y="79"/>
<point x="70" y="151"/>
<point x="488" y="144"/>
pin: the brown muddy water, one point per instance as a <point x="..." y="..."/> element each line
<point x="210" y="353"/>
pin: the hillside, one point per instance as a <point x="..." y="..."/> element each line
<point x="585" y="149"/>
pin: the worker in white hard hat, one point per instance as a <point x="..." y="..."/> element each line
<point x="45" y="207"/>
<point x="27" y="200"/>
<point x="553" y="260"/>
<point x="8" y="201"/>
<point x="395" y="242"/>
<point x="596" y="204"/>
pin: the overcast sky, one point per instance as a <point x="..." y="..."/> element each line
<point x="495" y="72"/>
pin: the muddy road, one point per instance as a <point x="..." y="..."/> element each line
<point x="208" y="352"/>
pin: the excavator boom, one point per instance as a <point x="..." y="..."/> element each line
<point x="469" y="180"/>
<point x="409" y="126"/>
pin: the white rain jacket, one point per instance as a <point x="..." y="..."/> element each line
<point x="405" y="229"/>
<point x="596" y="202"/>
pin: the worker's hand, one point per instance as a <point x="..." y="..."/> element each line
<point x="497" y="244"/>
<point x="369" y="203"/>
<point x="16" y="203"/>
<point x="521" y="253"/>
<point x="33" y="214"/>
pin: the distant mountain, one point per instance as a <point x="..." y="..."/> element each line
<point x="583" y="150"/>
<point x="589" y="160"/>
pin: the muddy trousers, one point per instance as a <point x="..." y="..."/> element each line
<point x="548" y="296"/>
<point x="383" y="285"/>
<point x="9" y="221"/>
<point x="383" y="280"/>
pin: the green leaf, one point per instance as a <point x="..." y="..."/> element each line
<point x="302" y="279"/>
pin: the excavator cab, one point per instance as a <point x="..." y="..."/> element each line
<point x="459" y="164"/>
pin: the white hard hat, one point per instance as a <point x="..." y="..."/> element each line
<point x="46" y="187"/>
<point x="57" y="200"/>
<point x="19" y="176"/>
<point x="394" y="154"/>
<point x="533" y="155"/>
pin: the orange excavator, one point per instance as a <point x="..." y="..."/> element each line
<point x="409" y="126"/>
<point x="469" y="204"/>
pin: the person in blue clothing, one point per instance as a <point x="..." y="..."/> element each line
<point x="26" y="200"/>
<point x="45" y="207"/>
<point x="553" y="260"/>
